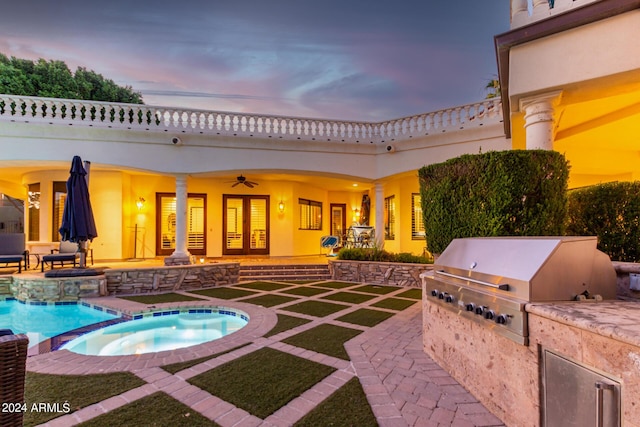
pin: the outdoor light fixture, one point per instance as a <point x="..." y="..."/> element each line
<point x="140" y="203"/>
<point x="201" y="260"/>
<point x="281" y="207"/>
<point x="356" y="214"/>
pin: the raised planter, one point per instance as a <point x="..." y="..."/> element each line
<point x="378" y="273"/>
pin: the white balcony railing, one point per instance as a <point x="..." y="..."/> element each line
<point x="181" y="120"/>
<point x="525" y="12"/>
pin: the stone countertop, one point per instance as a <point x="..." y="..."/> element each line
<point x="619" y="320"/>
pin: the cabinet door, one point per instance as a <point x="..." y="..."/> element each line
<point x="576" y="396"/>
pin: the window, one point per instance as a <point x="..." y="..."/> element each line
<point x="34" y="212"/>
<point x="166" y="221"/>
<point x="417" y="224"/>
<point x="59" y="196"/>
<point x="390" y="218"/>
<point x="310" y="214"/>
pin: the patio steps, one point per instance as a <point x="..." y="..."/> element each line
<point x="284" y="272"/>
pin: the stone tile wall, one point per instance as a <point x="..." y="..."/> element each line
<point x="34" y="287"/>
<point x="170" y="278"/>
<point x="378" y="273"/>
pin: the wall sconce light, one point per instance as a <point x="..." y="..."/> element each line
<point x="281" y="207"/>
<point x="356" y="214"/>
<point x="140" y="203"/>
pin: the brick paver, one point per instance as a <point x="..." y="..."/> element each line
<point x="403" y="385"/>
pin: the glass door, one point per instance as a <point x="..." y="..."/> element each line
<point x="166" y="223"/>
<point x="245" y="225"/>
<point x="338" y="219"/>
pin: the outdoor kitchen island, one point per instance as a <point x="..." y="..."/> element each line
<point x="578" y="364"/>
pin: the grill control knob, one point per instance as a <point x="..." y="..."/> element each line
<point x="441" y="295"/>
<point x="470" y="306"/>
<point x="480" y="309"/>
<point x="502" y="319"/>
<point x="489" y="314"/>
<point x="448" y="298"/>
<point x="434" y="293"/>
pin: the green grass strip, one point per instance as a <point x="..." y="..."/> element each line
<point x="315" y="308"/>
<point x="376" y="289"/>
<point x="269" y="300"/>
<point x="334" y="285"/>
<point x="78" y="390"/>
<point x="157" y="409"/>
<point x="394" y="304"/>
<point x="326" y="339"/>
<point x="263" y="286"/>
<point x="285" y="323"/>
<point x="263" y="381"/>
<point x="160" y="298"/>
<point x="348" y="406"/>
<point x="415" y="293"/>
<point x="365" y="317"/>
<point x="305" y="291"/>
<point x="349" y="297"/>
<point x="179" y="366"/>
<point x="224" y="293"/>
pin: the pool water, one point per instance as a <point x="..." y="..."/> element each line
<point x="160" y="331"/>
<point x="41" y="322"/>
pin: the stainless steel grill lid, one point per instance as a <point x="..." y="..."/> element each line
<point x="531" y="268"/>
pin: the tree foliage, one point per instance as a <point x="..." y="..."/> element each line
<point x="506" y="193"/>
<point x="54" y="79"/>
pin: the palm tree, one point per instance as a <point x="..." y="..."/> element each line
<point x="493" y="88"/>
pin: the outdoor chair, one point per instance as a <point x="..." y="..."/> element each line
<point x="13" y="360"/>
<point x="12" y="250"/>
<point x="67" y="252"/>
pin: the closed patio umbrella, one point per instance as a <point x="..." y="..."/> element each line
<point x="78" y="225"/>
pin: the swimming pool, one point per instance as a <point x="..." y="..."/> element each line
<point x="42" y="321"/>
<point x="160" y="331"/>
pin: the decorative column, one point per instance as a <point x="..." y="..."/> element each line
<point x="519" y="13"/>
<point x="181" y="254"/>
<point x="379" y="215"/>
<point x="539" y="119"/>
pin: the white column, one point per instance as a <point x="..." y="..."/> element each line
<point x="539" y="120"/>
<point x="519" y="13"/>
<point x="379" y="215"/>
<point x="181" y="254"/>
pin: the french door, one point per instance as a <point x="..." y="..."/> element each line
<point x="166" y="223"/>
<point x="338" y="219"/>
<point x="245" y="225"/>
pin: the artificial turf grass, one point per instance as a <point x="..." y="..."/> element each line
<point x="334" y="285"/>
<point x="326" y="339"/>
<point x="224" y="293"/>
<point x="158" y="409"/>
<point x="376" y="289"/>
<point x="263" y="286"/>
<point x="349" y="297"/>
<point x="285" y="323"/>
<point x="365" y="317"/>
<point x="263" y="381"/>
<point x="397" y="304"/>
<point x="78" y="390"/>
<point x="347" y="406"/>
<point x="315" y="308"/>
<point x="269" y="300"/>
<point x="160" y="298"/>
<point x="411" y="293"/>
<point x="305" y="291"/>
<point x="179" y="366"/>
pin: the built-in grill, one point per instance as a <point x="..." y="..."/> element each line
<point x="490" y="280"/>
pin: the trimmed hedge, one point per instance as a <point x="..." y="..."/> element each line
<point x="374" y="254"/>
<point x="610" y="211"/>
<point x="506" y="193"/>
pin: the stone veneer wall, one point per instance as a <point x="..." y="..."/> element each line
<point x="5" y="284"/>
<point x="171" y="278"/>
<point x="39" y="288"/>
<point x="379" y="273"/>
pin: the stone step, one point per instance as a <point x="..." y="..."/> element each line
<point x="284" y="272"/>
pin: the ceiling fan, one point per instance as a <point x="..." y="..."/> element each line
<point x="242" y="180"/>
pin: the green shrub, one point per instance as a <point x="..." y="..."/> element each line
<point x="518" y="193"/>
<point x="379" y="255"/>
<point x="610" y="211"/>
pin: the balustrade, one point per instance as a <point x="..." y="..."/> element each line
<point x="152" y="118"/>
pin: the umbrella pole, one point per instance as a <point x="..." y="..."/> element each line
<point x="82" y="248"/>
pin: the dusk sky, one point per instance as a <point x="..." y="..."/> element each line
<point x="348" y="59"/>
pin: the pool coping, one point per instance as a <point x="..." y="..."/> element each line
<point x="261" y="321"/>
